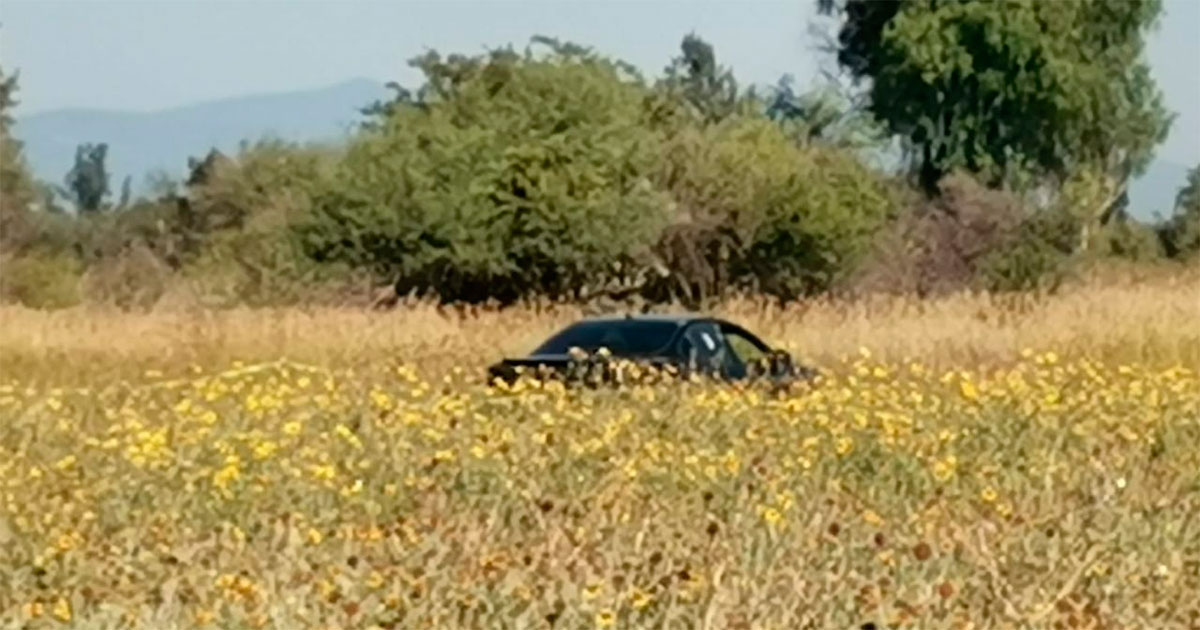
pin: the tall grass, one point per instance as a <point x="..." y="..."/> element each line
<point x="1152" y="321"/>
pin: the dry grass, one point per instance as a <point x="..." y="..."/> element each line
<point x="1152" y="321"/>
<point x="379" y="488"/>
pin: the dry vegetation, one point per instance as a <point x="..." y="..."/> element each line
<point x="944" y="479"/>
<point x="1129" y="317"/>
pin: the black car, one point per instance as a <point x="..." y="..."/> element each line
<point x="677" y="344"/>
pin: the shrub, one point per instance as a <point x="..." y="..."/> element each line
<point x="132" y="279"/>
<point x="1131" y="240"/>
<point x="264" y="267"/>
<point x="968" y="237"/>
<point x="1180" y="235"/>
<point x="752" y="210"/>
<point x="1037" y="256"/>
<point x="518" y="175"/>
<point x="40" y="279"/>
<point x="269" y="176"/>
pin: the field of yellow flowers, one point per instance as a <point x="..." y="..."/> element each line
<point x="1038" y="491"/>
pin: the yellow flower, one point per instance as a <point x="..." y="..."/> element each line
<point x="346" y="434"/>
<point x="844" y="446"/>
<point x="292" y="428"/>
<point x="265" y="449"/>
<point x="62" y="610"/>
<point x="33" y="610"/>
<point x="943" y="469"/>
<point x="988" y="495"/>
<point x="375" y="580"/>
<point x="324" y="472"/>
<point x="226" y="476"/>
<point x="605" y="619"/>
<point x="354" y="489"/>
<point x="67" y="542"/>
<point x="772" y="516"/>
<point x="640" y="599"/>
<point x="314" y="536"/>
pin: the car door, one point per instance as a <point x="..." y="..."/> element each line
<point x="744" y="350"/>
<point x="703" y="350"/>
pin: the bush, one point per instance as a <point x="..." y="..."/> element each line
<point x="263" y="267"/>
<point x="521" y="175"/>
<point x="1131" y="240"/>
<point x="1180" y="235"/>
<point x="563" y="175"/>
<point x="38" y="279"/>
<point x="968" y="237"/>
<point x="133" y="279"/>
<point x="270" y="176"/>
<point x="1037" y="256"/>
<point x="752" y="210"/>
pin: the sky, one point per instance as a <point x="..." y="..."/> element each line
<point x="149" y="55"/>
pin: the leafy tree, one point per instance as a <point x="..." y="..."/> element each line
<point x="826" y="115"/>
<point x="754" y="210"/>
<point x="86" y="185"/>
<point x="18" y="192"/>
<point x="557" y="172"/>
<point x="510" y="174"/>
<point x="709" y="90"/>
<point x="382" y="109"/>
<point x="1019" y="91"/>
<point x="1180" y="235"/>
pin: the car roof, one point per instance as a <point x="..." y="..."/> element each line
<point x="677" y="318"/>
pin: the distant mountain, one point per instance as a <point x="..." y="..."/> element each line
<point x="140" y="143"/>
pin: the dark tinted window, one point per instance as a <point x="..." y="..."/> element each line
<point x="620" y="337"/>
<point x="703" y="347"/>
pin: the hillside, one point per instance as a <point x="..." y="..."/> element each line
<point x="143" y="142"/>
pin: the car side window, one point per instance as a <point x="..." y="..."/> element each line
<point x="744" y="347"/>
<point x="703" y="347"/>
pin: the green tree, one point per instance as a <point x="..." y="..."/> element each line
<point x="35" y="267"/>
<point x="1016" y="91"/>
<point x="1180" y="235"/>
<point x="86" y="185"/>
<point x="509" y="174"/>
<point x="826" y="115"/>
<point x="18" y="192"/>
<point x="752" y="209"/>
<point x="707" y="89"/>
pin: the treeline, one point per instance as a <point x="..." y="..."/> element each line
<point x="553" y="172"/>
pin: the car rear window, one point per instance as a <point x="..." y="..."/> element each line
<point x="620" y="337"/>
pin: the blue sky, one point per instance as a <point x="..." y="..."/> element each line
<point x="147" y="55"/>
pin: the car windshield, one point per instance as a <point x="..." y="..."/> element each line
<point x="620" y="337"/>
